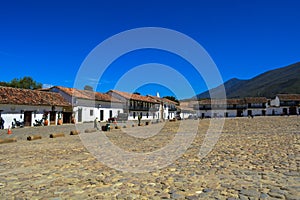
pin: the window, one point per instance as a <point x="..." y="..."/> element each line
<point x="91" y="112"/>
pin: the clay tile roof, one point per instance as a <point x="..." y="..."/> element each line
<point x="221" y="101"/>
<point x="9" y="95"/>
<point x="289" y="97"/>
<point x="85" y="94"/>
<point x="135" y="96"/>
<point x="256" y="99"/>
<point x="165" y="100"/>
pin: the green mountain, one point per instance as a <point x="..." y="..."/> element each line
<point x="281" y="80"/>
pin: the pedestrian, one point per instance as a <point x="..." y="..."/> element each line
<point x="139" y="118"/>
<point x="96" y="123"/>
<point x="2" y="123"/>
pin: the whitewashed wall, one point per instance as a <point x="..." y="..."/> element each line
<point x="218" y="113"/>
<point x="151" y="115"/>
<point x="277" y="110"/>
<point x="96" y="106"/>
<point x="255" y="112"/>
<point x="275" y="102"/>
<point x="185" y="115"/>
<point x="11" y="112"/>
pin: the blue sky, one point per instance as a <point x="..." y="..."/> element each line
<point x="49" y="40"/>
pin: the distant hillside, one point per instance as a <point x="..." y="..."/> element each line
<point x="268" y="84"/>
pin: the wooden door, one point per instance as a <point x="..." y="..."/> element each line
<point x="101" y="115"/>
<point x="79" y="114"/>
<point x="52" y="117"/>
<point x="27" y="118"/>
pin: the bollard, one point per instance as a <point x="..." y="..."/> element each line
<point x="74" y="132"/>
<point x="8" y="140"/>
<point x="90" y="130"/>
<point x="55" y="135"/>
<point x="34" y="137"/>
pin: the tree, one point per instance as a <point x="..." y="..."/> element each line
<point x="172" y="98"/>
<point x="26" y="82"/>
<point x="3" y="83"/>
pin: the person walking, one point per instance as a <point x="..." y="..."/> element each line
<point x="2" y="123"/>
<point x="96" y="123"/>
<point x="139" y="118"/>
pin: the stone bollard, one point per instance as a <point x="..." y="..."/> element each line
<point x="55" y="135"/>
<point x="90" y="130"/>
<point x="34" y="137"/>
<point x="74" y="132"/>
<point x="8" y="140"/>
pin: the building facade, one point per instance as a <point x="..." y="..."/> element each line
<point x="137" y="105"/>
<point x="89" y="105"/>
<point x="26" y="106"/>
<point x="167" y="107"/>
<point x="285" y="104"/>
<point x="209" y="108"/>
<point x="255" y="106"/>
<point x="282" y="104"/>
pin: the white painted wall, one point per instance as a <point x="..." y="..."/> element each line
<point x="217" y="113"/>
<point x="11" y="111"/>
<point x="151" y="115"/>
<point x="89" y="113"/>
<point x="255" y="112"/>
<point x="274" y="110"/>
<point x="275" y="102"/>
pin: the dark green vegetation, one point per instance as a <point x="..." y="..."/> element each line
<point x="171" y="98"/>
<point x="26" y="82"/>
<point x="284" y="80"/>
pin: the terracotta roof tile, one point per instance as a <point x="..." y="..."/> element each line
<point x="134" y="96"/>
<point x="256" y="99"/>
<point x="289" y="97"/>
<point x="222" y="101"/>
<point x="165" y="100"/>
<point x="85" y="94"/>
<point x="9" y="95"/>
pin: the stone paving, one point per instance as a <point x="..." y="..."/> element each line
<point x="255" y="158"/>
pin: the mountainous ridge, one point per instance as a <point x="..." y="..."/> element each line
<point x="267" y="84"/>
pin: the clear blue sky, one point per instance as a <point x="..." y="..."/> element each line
<point x="48" y="40"/>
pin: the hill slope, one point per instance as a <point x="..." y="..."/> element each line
<point x="268" y="84"/>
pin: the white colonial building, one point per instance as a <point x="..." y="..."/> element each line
<point x="137" y="105"/>
<point x="249" y="106"/>
<point x="167" y="108"/>
<point x="26" y="106"/>
<point x="209" y="108"/>
<point x="285" y="104"/>
<point x="255" y="106"/>
<point x="89" y="105"/>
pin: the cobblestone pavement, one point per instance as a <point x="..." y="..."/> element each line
<point x="255" y="158"/>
